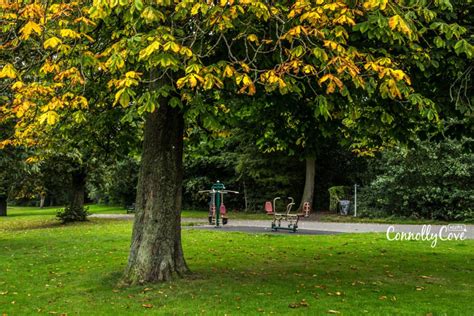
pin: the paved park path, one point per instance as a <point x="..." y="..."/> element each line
<point x="318" y="228"/>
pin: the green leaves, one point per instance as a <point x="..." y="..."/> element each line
<point x="123" y="97"/>
<point x="138" y="5"/>
<point x="449" y="30"/>
<point x="322" y="107"/>
<point x="463" y="46"/>
<point x="386" y="118"/>
<point x="146" y="103"/>
<point x="151" y="15"/>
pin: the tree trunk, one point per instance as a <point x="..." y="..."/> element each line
<point x="245" y="198"/>
<point x="78" y="189"/>
<point x="42" y="199"/>
<point x="3" y="205"/>
<point x="308" y="192"/>
<point x="75" y="211"/>
<point x="156" y="253"/>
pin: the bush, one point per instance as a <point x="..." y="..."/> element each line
<point x="431" y="180"/>
<point x="73" y="214"/>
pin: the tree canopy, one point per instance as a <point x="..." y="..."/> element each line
<point x="141" y="50"/>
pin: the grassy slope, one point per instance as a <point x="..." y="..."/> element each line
<point x="74" y="269"/>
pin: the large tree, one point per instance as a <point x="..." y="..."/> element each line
<point x="162" y="58"/>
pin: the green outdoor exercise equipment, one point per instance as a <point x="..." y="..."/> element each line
<point x="216" y="194"/>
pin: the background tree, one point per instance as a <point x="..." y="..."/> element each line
<point x="9" y="170"/>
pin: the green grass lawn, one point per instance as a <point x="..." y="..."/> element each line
<point x="47" y="268"/>
<point x="15" y="212"/>
<point x="32" y="212"/>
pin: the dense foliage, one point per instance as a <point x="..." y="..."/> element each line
<point x="115" y="184"/>
<point x="430" y="180"/>
<point x="260" y="174"/>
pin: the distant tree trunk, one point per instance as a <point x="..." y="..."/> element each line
<point x="245" y="198"/>
<point x="78" y="189"/>
<point x="156" y="253"/>
<point x="42" y="199"/>
<point x="308" y="192"/>
<point x="75" y="211"/>
<point x="3" y="205"/>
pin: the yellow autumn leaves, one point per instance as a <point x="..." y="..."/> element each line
<point x="397" y="22"/>
<point x="375" y="4"/>
<point x="8" y="71"/>
<point x="30" y="28"/>
<point x="168" y="46"/>
<point x="52" y="42"/>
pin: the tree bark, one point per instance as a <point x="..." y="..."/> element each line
<point x="156" y="253"/>
<point x="3" y="205"/>
<point x="78" y="189"/>
<point x="308" y="192"/>
<point x="245" y="198"/>
<point x="42" y="199"/>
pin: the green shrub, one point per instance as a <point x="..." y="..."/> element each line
<point x="73" y="214"/>
<point x="431" y="180"/>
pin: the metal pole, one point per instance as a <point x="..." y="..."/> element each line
<point x="355" y="200"/>
<point x="218" y="207"/>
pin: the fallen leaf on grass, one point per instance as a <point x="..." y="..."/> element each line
<point x="303" y="303"/>
<point x="420" y="288"/>
<point x="382" y="298"/>
<point x="148" y="305"/>
<point x="331" y="311"/>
